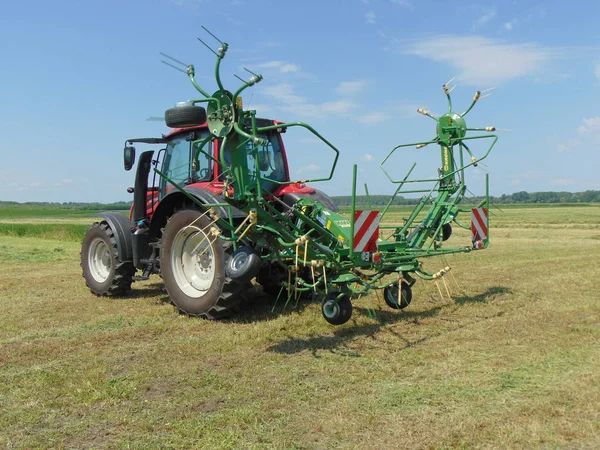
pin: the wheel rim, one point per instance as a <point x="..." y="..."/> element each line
<point x="392" y="295"/>
<point x="100" y="260"/>
<point x="331" y="309"/>
<point x="193" y="261"/>
<point x="239" y="261"/>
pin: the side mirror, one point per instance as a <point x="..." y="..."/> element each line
<point x="128" y="157"/>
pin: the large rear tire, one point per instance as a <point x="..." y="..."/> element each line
<point x="192" y="263"/>
<point x="104" y="271"/>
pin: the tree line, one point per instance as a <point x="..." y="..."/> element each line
<point x="361" y="200"/>
<point x="504" y="199"/>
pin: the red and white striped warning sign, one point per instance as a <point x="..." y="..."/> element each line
<point x="479" y="224"/>
<point x="366" y="231"/>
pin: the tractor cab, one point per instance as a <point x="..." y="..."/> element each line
<point x="210" y="170"/>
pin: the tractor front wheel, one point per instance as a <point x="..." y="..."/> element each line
<point x="192" y="263"/>
<point x="336" y="310"/>
<point x="103" y="270"/>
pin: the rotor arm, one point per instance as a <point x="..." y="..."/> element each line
<point x="427" y="113"/>
<point x="254" y="139"/>
<point x="476" y="161"/>
<point x="255" y="78"/>
<point x="475" y="99"/>
<point x="191" y="73"/>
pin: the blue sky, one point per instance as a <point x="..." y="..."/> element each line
<point x="79" y="78"/>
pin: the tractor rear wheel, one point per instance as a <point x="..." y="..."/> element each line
<point x="192" y="263"/>
<point x="104" y="271"/>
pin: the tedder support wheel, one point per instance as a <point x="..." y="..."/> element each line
<point x="103" y="270"/>
<point x="336" y="309"/>
<point x="192" y="263"/>
<point x="446" y="231"/>
<point x="395" y="301"/>
<point x="243" y="265"/>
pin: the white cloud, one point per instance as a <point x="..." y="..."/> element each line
<point x="282" y="66"/>
<point x="536" y="13"/>
<point x="338" y="107"/>
<point x="350" y="87"/>
<point x="367" y="157"/>
<point x="404" y="3"/>
<point x="370" y="17"/>
<point x="284" y="93"/>
<point x="269" y="64"/>
<point x="479" y="60"/>
<point x="568" y="146"/>
<point x="64" y="181"/>
<point x="508" y="26"/>
<point x="590" y="127"/>
<point x="286" y="68"/>
<point x="562" y="182"/>
<point x="482" y="20"/>
<point x="309" y="168"/>
<point x="372" y="118"/>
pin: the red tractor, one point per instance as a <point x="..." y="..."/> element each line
<point x="116" y="247"/>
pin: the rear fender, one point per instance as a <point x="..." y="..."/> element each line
<point x="178" y="200"/>
<point x="122" y="227"/>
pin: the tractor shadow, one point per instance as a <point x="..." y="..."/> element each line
<point x="337" y="342"/>
<point x="148" y="290"/>
<point x="484" y="297"/>
<point x="257" y="306"/>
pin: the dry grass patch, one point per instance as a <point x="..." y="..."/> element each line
<point x="511" y="361"/>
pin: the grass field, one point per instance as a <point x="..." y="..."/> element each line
<point x="512" y="360"/>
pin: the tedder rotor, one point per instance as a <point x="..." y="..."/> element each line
<point x="222" y="211"/>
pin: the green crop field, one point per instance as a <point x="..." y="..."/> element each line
<point x="510" y="360"/>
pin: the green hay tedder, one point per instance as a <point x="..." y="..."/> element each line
<point x="216" y="208"/>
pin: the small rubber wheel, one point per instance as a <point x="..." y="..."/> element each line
<point x="446" y="231"/>
<point x="336" y="311"/>
<point x="390" y="295"/>
<point x="243" y="265"/>
<point x="185" y="116"/>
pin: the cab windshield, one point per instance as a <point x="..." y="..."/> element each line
<point x="270" y="161"/>
<point x="177" y="162"/>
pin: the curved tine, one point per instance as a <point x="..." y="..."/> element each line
<point x="477" y="97"/>
<point x="447" y="92"/>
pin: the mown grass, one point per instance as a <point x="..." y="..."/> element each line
<point x="510" y="361"/>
